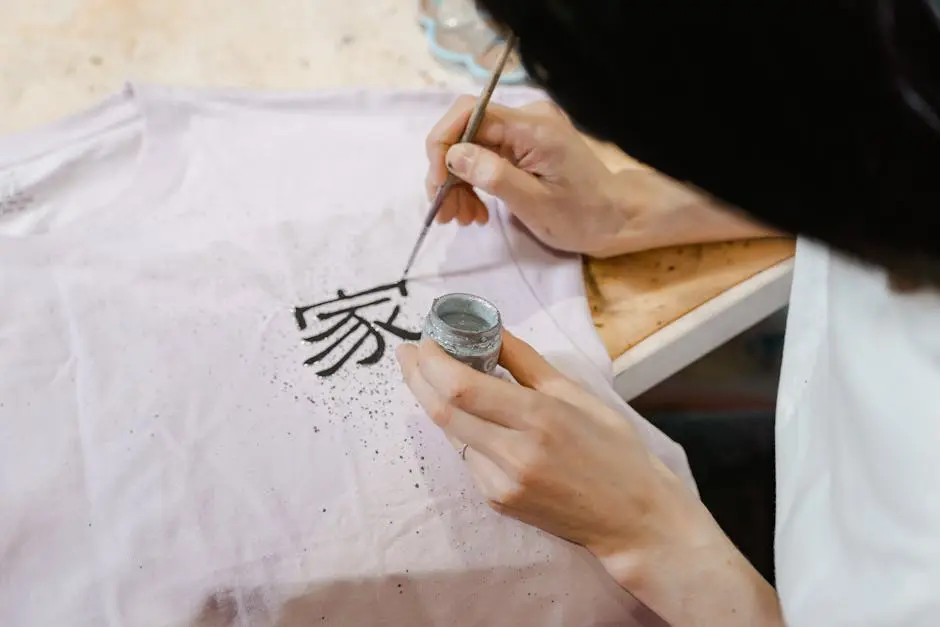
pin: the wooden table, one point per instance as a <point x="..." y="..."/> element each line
<point x="660" y="310"/>
<point x="656" y="311"/>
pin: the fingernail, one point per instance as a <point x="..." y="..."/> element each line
<point x="458" y="159"/>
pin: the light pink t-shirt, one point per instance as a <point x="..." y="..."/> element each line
<point x="201" y="419"/>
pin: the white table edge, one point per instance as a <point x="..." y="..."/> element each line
<point x="703" y="329"/>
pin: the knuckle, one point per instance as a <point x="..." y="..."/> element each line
<point x="458" y="391"/>
<point x="530" y="462"/>
<point x="543" y="439"/>
<point x="441" y="414"/>
<point x="514" y="497"/>
<point x="489" y="170"/>
<point x="540" y="410"/>
<point x="527" y="478"/>
<point x="508" y="498"/>
<point x="556" y="385"/>
<point x="497" y="505"/>
<point x="435" y="142"/>
<point x="534" y="407"/>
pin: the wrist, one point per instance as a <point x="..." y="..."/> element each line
<point x="680" y="526"/>
<point x="698" y="579"/>
<point x="652" y="211"/>
<point x="655" y="211"/>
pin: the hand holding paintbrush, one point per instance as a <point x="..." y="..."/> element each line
<point x="476" y="118"/>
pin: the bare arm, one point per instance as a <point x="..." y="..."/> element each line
<point x="658" y="211"/>
<point x="551" y="454"/>
<point x="699" y="586"/>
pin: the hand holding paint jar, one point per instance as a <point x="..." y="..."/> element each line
<point x="543" y="449"/>
<point x="468" y="328"/>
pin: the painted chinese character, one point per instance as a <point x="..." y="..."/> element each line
<point x="349" y="323"/>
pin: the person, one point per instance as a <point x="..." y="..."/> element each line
<point x="817" y="119"/>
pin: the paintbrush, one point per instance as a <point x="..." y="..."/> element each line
<point x="476" y="118"/>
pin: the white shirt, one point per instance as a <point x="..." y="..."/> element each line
<point x="167" y="459"/>
<point x="858" y="450"/>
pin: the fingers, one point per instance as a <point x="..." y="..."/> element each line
<point x="451" y="205"/>
<point x="462" y="204"/>
<point x="494" y="174"/>
<point x="499" y="126"/>
<point x="492" y="399"/>
<point x="489" y="162"/>
<point x="480" y="434"/>
<point x="483" y="214"/>
<point x="493" y="482"/>
<point x="451" y="126"/>
<point x="467" y="203"/>
<point x="529" y="368"/>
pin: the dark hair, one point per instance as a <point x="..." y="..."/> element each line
<point x="818" y="117"/>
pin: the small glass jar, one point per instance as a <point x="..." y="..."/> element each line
<point x="468" y="328"/>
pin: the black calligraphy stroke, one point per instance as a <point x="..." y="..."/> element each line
<point x="366" y="327"/>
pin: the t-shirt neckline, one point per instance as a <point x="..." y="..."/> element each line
<point x="132" y="105"/>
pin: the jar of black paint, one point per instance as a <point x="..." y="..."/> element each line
<point x="468" y="328"/>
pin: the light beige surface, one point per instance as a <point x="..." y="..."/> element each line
<point x="634" y="296"/>
<point x="59" y="56"/>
